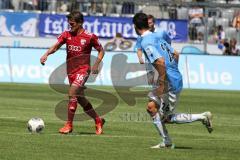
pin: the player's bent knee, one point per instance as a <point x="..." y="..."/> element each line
<point x="82" y="101"/>
<point x="76" y="90"/>
<point x="72" y="91"/>
<point x="152" y="108"/>
<point x="167" y="119"/>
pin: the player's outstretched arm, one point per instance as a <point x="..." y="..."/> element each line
<point x="95" y="68"/>
<point x="51" y="50"/>
<point x="176" y="56"/>
<point x="139" y="54"/>
<point x="159" y="64"/>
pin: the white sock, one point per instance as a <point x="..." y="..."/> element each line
<point x="186" y="118"/>
<point x="161" y="128"/>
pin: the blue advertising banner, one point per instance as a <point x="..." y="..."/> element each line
<point x="177" y="29"/>
<point x="199" y="71"/>
<point x="18" y="24"/>
<point x="213" y="72"/>
<point x="52" y="25"/>
<point x="26" y="67"/>
<point x="5" y="72"/>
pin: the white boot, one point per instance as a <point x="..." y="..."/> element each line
<point x="164" y="145"/>
<point x="207" y="121"/>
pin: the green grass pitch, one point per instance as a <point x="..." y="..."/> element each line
<point x="128" y="133"/>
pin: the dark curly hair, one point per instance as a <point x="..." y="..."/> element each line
<point x="75" y="16"/>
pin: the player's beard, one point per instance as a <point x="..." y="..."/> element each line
<point x="152" y="29"/>
<point x="75" y="29"/>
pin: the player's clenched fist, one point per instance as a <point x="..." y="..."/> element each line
<point x="94" y="69"/>
<point x="43" y="59"/>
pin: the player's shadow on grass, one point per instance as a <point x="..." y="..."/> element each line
<point x="181" y="147"/>
<point x="86" y="133"/>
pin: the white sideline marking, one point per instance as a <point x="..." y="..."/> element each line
<point x="8" y="117"/>
<point x="115" y="136"/>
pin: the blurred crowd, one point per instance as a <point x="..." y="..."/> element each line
<point x="223" y="28"/>
<point x="86" y="6"/>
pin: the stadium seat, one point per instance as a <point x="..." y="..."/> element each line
<point x="230" y="32"/>
<point x="114" y="15"/>
<point x="235" y="2"/>
<point x="219" y="1"/>
<point x="153" y="10"/>
<point x="118" y="8"/>
<point x="222" y="21"/>
<point x="182" y="13"/>
<point x="165" y="15"/>
<point x="128" y="15"/>
<point x="172" y="11"/>
<point x="228" y="14"/>
<point x="128" y="8"/>
<point x="211" y="22"/>
<point x="201" y="29"/>
<point x="213" y="12"/>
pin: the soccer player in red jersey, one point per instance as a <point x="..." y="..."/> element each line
<point x="79" y="44"/>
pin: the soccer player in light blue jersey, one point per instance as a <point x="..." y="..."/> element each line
<point x="163" y="99"/>
<point x="163" y="34"/>
<point x="152" y="28"/>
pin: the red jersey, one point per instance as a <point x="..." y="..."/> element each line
<point x="79" y="49"/>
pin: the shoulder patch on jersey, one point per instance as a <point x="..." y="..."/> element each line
<point x="88" y="33"/>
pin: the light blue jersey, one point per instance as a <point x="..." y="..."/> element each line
<point x="154" y="47"/>
<point x="161" y="33"/>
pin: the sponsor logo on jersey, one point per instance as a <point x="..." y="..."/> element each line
<point x="149" y="51"/>
<point x="74" y="48"/>
<point x="83" y="41"/>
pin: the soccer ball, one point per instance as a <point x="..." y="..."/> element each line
<point x="35" y="125"/>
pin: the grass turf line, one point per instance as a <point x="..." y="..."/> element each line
<point x="126" y="135"/>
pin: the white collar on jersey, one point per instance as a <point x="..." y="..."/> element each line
<point x="146" y="33"/>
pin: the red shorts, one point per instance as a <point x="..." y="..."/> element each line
<point x="79" y="78"/>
